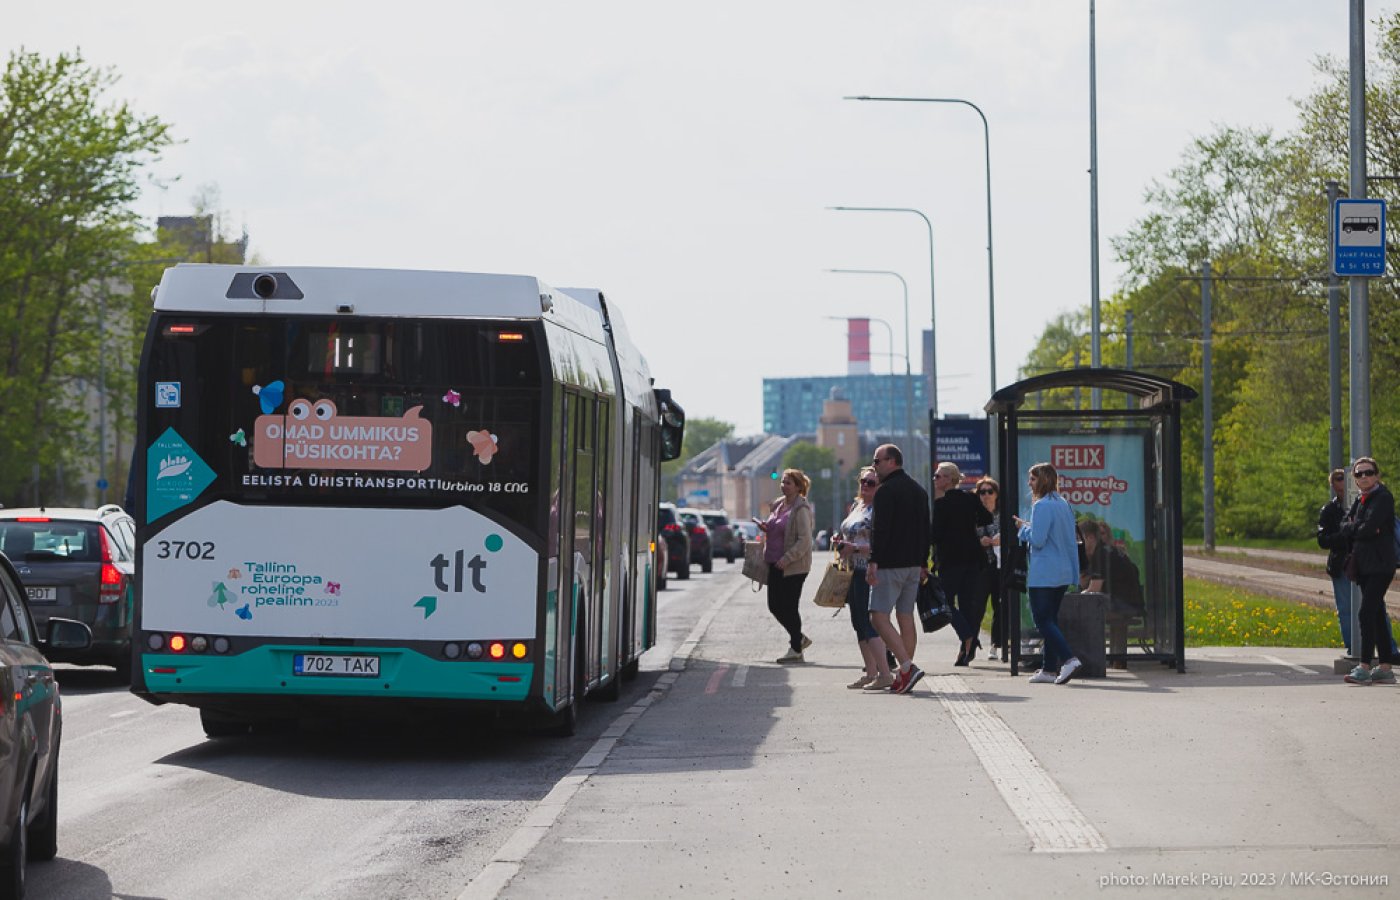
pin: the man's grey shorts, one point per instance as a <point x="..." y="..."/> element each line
<point x="895" y="590"/>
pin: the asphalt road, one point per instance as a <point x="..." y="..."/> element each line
<point x="723" y="774"/>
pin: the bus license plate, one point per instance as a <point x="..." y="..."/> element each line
<point x="42" y="594"/>
<point x="354" y="666"/>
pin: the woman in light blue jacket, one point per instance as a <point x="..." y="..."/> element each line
<point x="1054" y="566"/>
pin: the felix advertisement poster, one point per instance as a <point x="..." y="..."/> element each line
<point x="1102" y="475"/>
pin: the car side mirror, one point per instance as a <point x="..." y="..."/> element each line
<point x="66" y="634"/>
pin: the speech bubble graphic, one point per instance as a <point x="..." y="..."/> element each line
<point x="315" y="436"/>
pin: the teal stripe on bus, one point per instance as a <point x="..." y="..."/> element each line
<point x="402" y="673"/>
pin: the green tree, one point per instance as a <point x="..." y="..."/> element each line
<point x="66" y="229"/>
<point x="700" y="435"/>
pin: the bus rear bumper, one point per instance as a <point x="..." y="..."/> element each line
<point x="271" y="672"/>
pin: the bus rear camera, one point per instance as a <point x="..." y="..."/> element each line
<point x="265" y="286"/>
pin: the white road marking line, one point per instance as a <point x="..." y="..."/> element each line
<point x="741" y="675"/>
<point x="1287" y="665"/>
<point x="1054" y="823"/>
<point x="495" y="875"/>
<point x="125" y="712"/>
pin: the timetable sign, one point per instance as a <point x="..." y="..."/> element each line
<point x="1358" y="237"/>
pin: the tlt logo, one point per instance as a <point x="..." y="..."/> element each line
<point x="458" y="564"/>
<point x="1076" y="456"/>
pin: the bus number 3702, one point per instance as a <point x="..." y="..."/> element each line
<point x="185" y="550"/>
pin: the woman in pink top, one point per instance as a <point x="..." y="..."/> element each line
<point x="787" y="548"/>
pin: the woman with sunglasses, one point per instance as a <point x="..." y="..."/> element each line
<point x="1053" y="567"/>
<point x="787" y="548"/>
<point x="852" y="542"/>
<point x="1370" y="526"/>
<point x="989" y="492"/>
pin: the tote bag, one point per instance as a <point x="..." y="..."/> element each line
<point x="836" y="582"/>
<point x="755" y="569"/>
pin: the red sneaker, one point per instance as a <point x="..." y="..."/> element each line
<point x="899" y="678"/>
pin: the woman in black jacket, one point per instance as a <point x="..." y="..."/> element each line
<point x="1370" y="526"/>
<point x="1329" y="537"/>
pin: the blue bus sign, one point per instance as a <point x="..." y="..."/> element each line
<point x="1358" y="237"/>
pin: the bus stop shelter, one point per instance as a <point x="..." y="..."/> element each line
<point x="1119" y="467"/>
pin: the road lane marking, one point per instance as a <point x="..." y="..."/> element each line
<point x="715" y="678"/>
<point x="741" y="676"/>
<point x="505" y="865"/>
<point x="1054" y="823"/>
<point x="1287" y="665"/>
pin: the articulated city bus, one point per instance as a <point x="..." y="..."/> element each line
<point x="368" y="487"/>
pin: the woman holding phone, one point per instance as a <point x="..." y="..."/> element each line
<point x="1054" y="566"/>
<point x="787" y="548"/>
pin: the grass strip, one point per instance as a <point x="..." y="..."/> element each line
<point x="1219" y="615"/>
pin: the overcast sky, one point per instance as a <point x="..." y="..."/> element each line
<point x="681" y="156"/>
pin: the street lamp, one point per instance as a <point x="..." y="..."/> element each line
<point x="987" y="147"/>
<point x="889" y="333"/>
<point x="908" y="375"/>
<point x="932" y="306"/>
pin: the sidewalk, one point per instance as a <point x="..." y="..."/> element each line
<point x="750" y="779"/>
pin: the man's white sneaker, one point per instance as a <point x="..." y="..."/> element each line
<point x="1068" y="669"/>
<point x="792" y="656"/>
<point x="1043" y="677"/>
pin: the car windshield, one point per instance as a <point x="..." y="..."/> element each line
<point x="690" y="519"/>
<point x="716" y="521"/>
<point x="36" y="541"/>
<point x="666" y="516"/>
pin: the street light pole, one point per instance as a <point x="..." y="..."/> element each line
<point x="908" y="375"/>
<point x="987" y="155"/>
<point x="932" y="305"/>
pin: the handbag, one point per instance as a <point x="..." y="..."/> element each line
<point x="1020" y="562"/>
<point x="836" y="583"/>
<point x="755" y="569"/>
<point x="934" y="611"/>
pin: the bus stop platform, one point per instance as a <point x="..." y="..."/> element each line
<point x="737" y="777"/>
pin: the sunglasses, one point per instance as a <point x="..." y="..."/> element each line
<point x="869" y="482"/>
<point x="1365" y="473"/>
<point x="986" y="492"/>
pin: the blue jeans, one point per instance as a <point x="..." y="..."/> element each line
<point x="1341" y="592"/>
<point x="1045" y="610"/>
<point x="858" y="602"/>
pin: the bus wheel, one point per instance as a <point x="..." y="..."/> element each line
<point x="216" y="725"/>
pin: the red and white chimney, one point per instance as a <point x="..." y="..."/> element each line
<point x="858" y="346"/>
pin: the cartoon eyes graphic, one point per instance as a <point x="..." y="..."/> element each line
<point x="453" y="398"/>
<point x="302" y="409"/>
<point x="269" y="396"/>
<point x="243" y="612"/>
<point x="239" y="438"/>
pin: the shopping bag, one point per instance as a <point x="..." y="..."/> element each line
<point x="755" y="569"/>
<point x="934" y="611"/>
<point x="836" y="582"/>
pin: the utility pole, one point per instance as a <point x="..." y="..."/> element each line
<point x="1336" y="454"/>
<point x="1207" y="426"/>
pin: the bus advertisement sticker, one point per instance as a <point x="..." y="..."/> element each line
<point x="175" y="475"/>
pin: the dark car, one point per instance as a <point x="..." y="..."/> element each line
<point x="80" y="564"/>
<point x="724" y="540"/>
<point x="677" y="541"/>
<point x="701" y="544"/>
<point x="30" y="729"/>
<point x="663" y="562"/>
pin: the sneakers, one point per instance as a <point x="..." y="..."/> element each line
<point x="1043" y="677"/>
<point x="860" y="682"/>
<point x="909" y="679"/>
<point x="882" y="683"/>
<point x="1359" y="675"/>
<point x="897" y="682"/>
<point x="806" y="642"/>
<point x="1382" y="676"/>
<point x="993" y="655"/>
<point x="1068" y="669"/>
<point x="792" y="656"/>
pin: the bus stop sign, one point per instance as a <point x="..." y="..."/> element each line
<point x="1358" y="237"/>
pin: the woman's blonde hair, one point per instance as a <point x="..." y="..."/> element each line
<point x="799" y="478"/>
<point x="1044" y="479"/>
<point x="860" y="476"/>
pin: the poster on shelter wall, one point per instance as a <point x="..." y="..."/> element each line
<point x="1103" y="476"/>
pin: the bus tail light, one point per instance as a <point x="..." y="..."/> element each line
<point x="177" y="643"/>
<point x="498" y="650"/>
<point x="518" y="650"/>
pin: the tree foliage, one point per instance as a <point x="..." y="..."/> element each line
<point x="1252" y="206"/>
<point x="71" y="158"/>
<point x="818" y="464"/>
<point x="700" y="434"/>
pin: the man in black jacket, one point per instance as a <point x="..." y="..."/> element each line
<point x="1329" y="537"/>
<point x="958" y="554"/>
<point x="899" y="544"/>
